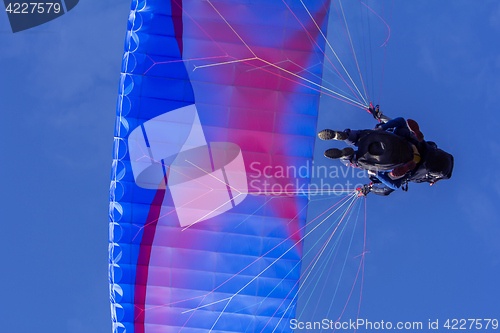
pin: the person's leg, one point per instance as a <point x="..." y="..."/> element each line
<point x="335" y="153"/>
<point x="401" y="170"/>
<point x="407" y="129"/>
<point x="328" y="134"/>
<point x="394" y="123"/>
<point x="415" y="130"/>
<point x="404" y="132"/>
<point x="352" y="137"/>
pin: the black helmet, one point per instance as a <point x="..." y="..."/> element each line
<point x="439" y="164"/>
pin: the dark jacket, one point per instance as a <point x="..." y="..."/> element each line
<point x="382" y="151"/>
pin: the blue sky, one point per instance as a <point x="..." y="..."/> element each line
<point x="434" y="251"/>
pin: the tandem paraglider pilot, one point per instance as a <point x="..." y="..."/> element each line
<point x="394" y="153"/>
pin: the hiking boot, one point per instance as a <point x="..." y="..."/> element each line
<point x="335" y="153"/>
<point x="401" y="170"/>
<point x="329" y="134"/>
<point x="413" y="126"/>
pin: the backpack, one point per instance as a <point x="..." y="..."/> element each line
<point x="436" y="165"/>
<point x="382" y="151"/>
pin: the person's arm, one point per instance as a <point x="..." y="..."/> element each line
<point x="377" y="114"/>
<point x="391" y="183"/>
<point x="381" y="190"/>
<point x="394" y="123"/>
<point x="384" y="119"/>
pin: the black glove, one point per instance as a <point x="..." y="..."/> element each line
<point x="375" y="111"/>
<point x="365" y="189"/>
